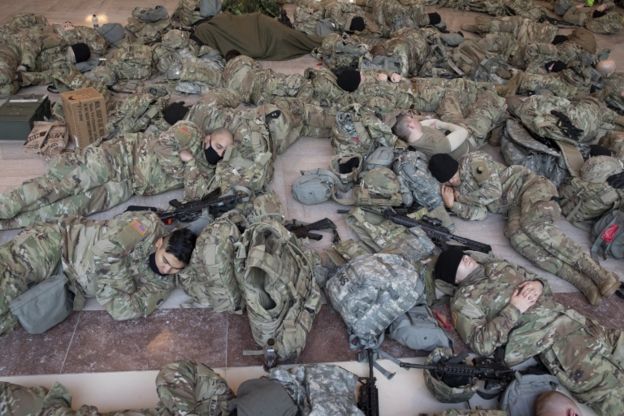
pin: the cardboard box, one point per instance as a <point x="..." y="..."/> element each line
<point x="18" y="114"/>
<point x="85" y="115"/>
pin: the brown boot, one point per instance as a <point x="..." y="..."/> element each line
<point x="583" y="283"/>
<point x="605" y="280"/>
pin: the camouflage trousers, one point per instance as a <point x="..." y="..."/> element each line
<point x="532" y="232"/>
<point x="28" y="259"/>
<point x="75" y="184"/>
<point x="589" y="363"/>
<point x="525" y="83"/>
<point x="487" y="111"/>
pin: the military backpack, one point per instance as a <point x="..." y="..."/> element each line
<point x="277" y="279"/>
<point x="608" y="235"/>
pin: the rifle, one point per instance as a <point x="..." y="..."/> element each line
<point x="190" y="211"/>
<point x="484" y="369"/>
<point x="434" y="230"/>
<point x="301" y="230"/>
<point x="368" y="401"/>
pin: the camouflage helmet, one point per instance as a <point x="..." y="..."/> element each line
<point x="383" y="156"/>
<point x="379" y="186"/>
<point x="175" y="39"/>
<point x="439" y="389"/>
<point x="598" y="168"/>
<point x="346" y="167"/>
<point x="519" y="134"/>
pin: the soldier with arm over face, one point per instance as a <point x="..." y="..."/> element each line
<point x="478" y="185"/>
<point x="126" y="263"/>
<point x="500" y="305"/>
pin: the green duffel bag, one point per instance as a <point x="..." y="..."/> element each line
<point x="44" y="305"/>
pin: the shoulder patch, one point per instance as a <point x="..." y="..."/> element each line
<point x="480" y="171"/>
<point x="138" y="227"/>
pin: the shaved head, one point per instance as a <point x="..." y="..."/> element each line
<point x="606" y="67"/>
<point x="219" y="139"/>
<point x="554" y="403"/>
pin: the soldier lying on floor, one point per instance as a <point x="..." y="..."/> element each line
<point x="497" y="304"/>
<point x="127" y="264"/>
<point x="478" y="185"/>
<point x="101" y="176"/>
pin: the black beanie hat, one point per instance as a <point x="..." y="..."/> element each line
<point x="357" y="24"/>
<point x="597" y="150"/>
<point x="434" y="18"/>
<point x="447" y="264"/>
<point x="349" y="79"/>
<point x="555" y="66"/>
<point x="559" y="39"/>
<point x="175" y="112"/>
<point x="442" y="166"/>
<point x="81" y="52"/>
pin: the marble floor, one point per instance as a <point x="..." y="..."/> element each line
<point x="112" y="364"/>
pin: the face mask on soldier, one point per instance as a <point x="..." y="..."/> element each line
<point x="212" y="156"/>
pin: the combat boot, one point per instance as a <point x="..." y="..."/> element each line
<point x="583" y="283"/>
<point x="605" y="280"/>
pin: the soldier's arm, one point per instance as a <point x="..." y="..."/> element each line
<point x="469" y="211"/>
<point x="481" y="335"/>
<point x="490" y="189"/>
<point x="198" y="179"/>
<point x="124" y="304"/>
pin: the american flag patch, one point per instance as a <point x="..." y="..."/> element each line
<point x="137" y="226"/>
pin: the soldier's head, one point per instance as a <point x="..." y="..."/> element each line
<point x="216" y="143"/>
<point x="78" y="52"/>
<point x="407" y="127"/>
<point x="357" y="24"/>
<point x="606" y="67"/>
<point x="554" y="403"/>
<point x="445" y="169"/>
<point x="173" y="252"/>
<point x="348" y="79"/>
<point x="453" y="265"/>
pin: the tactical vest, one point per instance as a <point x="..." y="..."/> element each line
<point x="584" y="201"/>
<point x="187" y="13"/>
<point x="276" y="277"/>
<point x="370" y="292"/>
<point x="412" y="168"/>
<point x="209" y="278"/>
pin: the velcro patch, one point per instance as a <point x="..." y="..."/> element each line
<point x="137" y="226"/>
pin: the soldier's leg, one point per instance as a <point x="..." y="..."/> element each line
<point x="92" y="170"/>
<point x="85" y="203"/>
<point x="28" y="259"/>
<point x="533" y="83"/>
<point x="538" y="213"/>
<point x="524" y="245"/>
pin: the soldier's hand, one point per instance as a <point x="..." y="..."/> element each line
<point x="395" y="77"/>
<point x="524" y="297"/>
<point x="535" y="286"/>
<point x="186" y="156"/>
<point x="448" y="196"/>
<point x="382" y="76"/>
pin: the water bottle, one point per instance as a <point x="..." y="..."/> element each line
<point x="94" y="20"/>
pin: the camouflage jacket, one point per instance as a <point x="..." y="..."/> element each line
<point x="108" y="260"/>
<point x="487" y="185"/>
<point x="485" y="319"/>
<point x="157" y="166"/>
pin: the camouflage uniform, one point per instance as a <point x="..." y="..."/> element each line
<point x="610" y="22"/>
<point x="524" y="8"/>
<point x="587" y="114"/>
<point x="527" y="200"/>
<point x="183" y="387"/>
<point x="100" y="177"/>
<point x="612" y="92"/>
<point x="585" y="357"/>
<point x="473" y="105"/>
<point x="319" y="389"/>
<point x="102" y="259"/>
<point x="332" y="15"/>
<point x="269" y="7"/>
<point x="392" y="15"/>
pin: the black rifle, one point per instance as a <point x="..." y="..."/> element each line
<point x="434" y="230"/>
<point x="301" y="230"/>
<point x="368" y="402"/>
<point x="190" y="211"/>
<point x="484" y="369"/>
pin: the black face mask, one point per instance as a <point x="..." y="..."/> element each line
<point x="212" y="156"/>
<point x="152" y="264"/>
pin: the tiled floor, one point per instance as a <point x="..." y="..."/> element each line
<point x="110" y="364"/>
